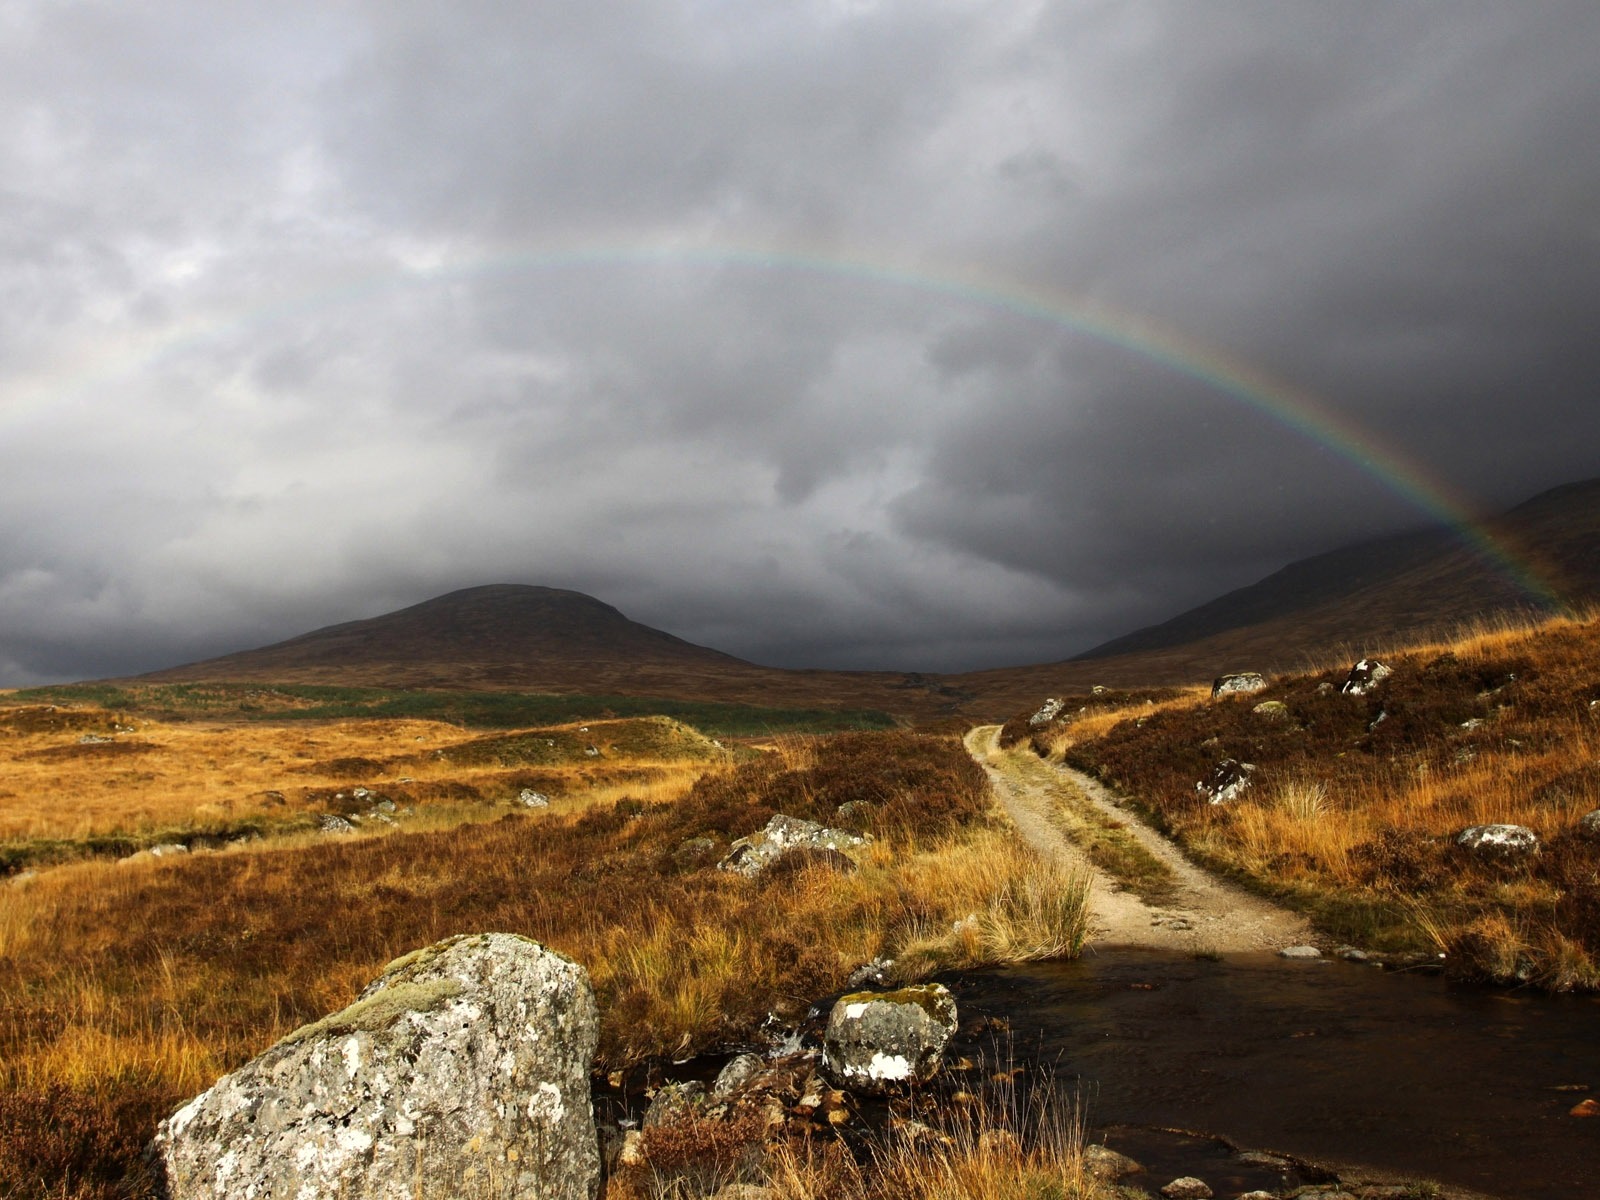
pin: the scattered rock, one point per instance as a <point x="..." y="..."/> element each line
<point x="529" y="798"/>
<point x="1228" y="780"/>
<point x="1187" y="1188"/>
<point x="1589" y="825"/>
<point x="674" y="1102"/>
<point x="1105" y="1164"/>
<point x="1299" y="952"/>
<point x="1352" y="954"/>
<point x="1273" y="710"/>
<point x="1472" y="723"/>
<point x="1048" y="712"/>
<point x="463" y="1071"/>
<point x="1364" y="676"/>
<point x="1262" y="1158"/>
<point x="1238" y="683"/>
<point x="1498" y="841"/>
<point x="167" y="849"/>
<point x="362" y="793"/>
<point x="1257" y="1195"/>
<point x="1585" y="1108"/>
<point x="852" y="809"/>
<point x="751" y="855"/>
<point x="93" y="739"/>
<point x="333" y="823"/>
<point x="878" y="1042"/>
<point x="1383" y="715"/>
<point x="738" y="1072"/>
<point x="591" y="751"/>
<point x="874" y="972"/>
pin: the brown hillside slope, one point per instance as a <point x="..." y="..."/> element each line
<point x="513" y="636"/>
<point x="1356" y="599"/>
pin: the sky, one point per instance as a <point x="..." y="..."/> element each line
<point x="929" y="335"/>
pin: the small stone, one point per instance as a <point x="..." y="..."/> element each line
<point x="1273" y="710"/>
<point x="1105" y="1164"/>
<point x="1257" y="1195"/>
<point x="166" y="849"/>
<point x="332" y="823"/>
<point x="1237" y="683"/>
<point x="1589" y="825"/>
<point x="529" y="798"/>
<point x="1187" y="1187"/>
<point x="1585" y="1108"/>
<point x="1306" y="952"/>
<point x="632" y="1152"/>
<point x="1351" y="954"/>
<point x="1263" y="1158"/>
<point x="874" y="972"/>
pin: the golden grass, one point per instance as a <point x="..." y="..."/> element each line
<point x="1060" y="735"/>
<point x="1359" y="799"/>
<point x="133" y="985"/>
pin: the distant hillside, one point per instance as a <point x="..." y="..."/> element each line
<point x="1365" y="596"/>
<point x="513" y="636"/>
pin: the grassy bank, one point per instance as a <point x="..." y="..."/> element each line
<point x="1355" y="800"/>
<point x="125" y="989"/>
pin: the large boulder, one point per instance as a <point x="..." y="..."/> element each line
<point x="462" y="1071"/>
<point x="1239" y="683"/>
<point x="880" y="1042"/>
<point x="1048" y="711"/>
<point x="754" y="854"/>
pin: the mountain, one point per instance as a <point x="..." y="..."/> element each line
<point x="1347" y="601"/>
<point x="514" y="636"/>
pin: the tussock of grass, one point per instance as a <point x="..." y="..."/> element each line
<point x="133" y="986"/>
<point x="1356" y="800"/>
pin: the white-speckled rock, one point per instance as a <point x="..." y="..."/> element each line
<point x="1187" y="1188"/>
<point x="462" y="1071"/>
<point x="1228" y="780"/>
<point x="1364" y="676"/>
<point x="880" y="1042"/>
<point x="1048" y="711"/>
<point x="1239" y="683"/>
<point x="1503" y="841"/>
<point x="754" y="854"/>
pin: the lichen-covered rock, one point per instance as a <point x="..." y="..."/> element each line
<point x="880" y="1042"/>
<point x="1187" y="1188"/>
<point x="462" y="1071"/>
<point x="1272" y="710"/>
<point x="754" y="854"/>
<point x="1048" y="711"/>
<point x="334" y="823"/>
<point x="529" y="798"/>
<point x="1498" y="841"/>
<point x="675" y="1102"/>
<point x="1228" y="780"/>
<point x="1237" y="683"/>
<point x="1589" y="825"/>
<point x="1364" y="676"/>
<point x="1105" y="1164"/>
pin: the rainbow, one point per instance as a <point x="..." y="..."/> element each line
<point x="1140" y="336"/>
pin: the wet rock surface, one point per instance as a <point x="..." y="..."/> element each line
<point x="462" y="1070"/>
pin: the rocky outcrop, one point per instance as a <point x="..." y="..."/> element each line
<point x="1498" y="841"/>
<point x="463" y="1071"/>
<point x="1239" y="683"/>
<point x="881" y="1042"/>
<point x="1228" y="780"/>
<point x="1048" y="711"/>
<point x="754" y="854"/>
<point x="1364" y="676"/>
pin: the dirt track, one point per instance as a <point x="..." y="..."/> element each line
<point x="1205" y="914"/>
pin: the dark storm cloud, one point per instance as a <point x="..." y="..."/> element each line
<point x="310" y="312"/>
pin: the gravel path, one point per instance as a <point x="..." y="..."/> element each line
<point x="1205" y="914"/>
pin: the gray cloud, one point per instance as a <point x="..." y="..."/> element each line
<point x="312" y="312"/>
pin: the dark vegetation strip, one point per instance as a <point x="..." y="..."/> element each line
<point x="473" y="710"/>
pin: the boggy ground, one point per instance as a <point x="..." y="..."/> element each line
<point x="126" y="988"/>
<point x="1351" y="811"/>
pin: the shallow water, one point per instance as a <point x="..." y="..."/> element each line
<point x="1330" y="1061"/>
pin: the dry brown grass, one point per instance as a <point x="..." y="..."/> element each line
<point x="126" y="988"/>
<point x="1357" y="799"/>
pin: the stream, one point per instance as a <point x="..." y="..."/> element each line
<point x="1337" y="1063"/>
